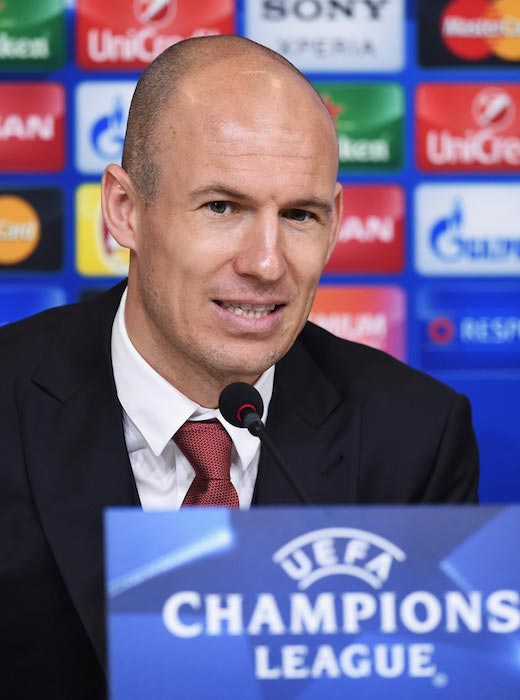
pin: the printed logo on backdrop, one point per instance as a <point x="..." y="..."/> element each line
<point x="468" y="127"/>
<point x="31" y="235"/>
<point x="348" y="604"/>
<point x="374" y="316"/>
<point x="32" y="35"/>
<point x="158" y="13"/>
<point x="129" y="34"/>
<point x="325" y="35"/>
<point x="101" y="115"/>
<point x="371" y="238"/>
<point x="369" y="119"/>
<point x="97" y="252"/>
<point x="32" y="127"/>
<point x="470" y="327"/>
<point x="467" y="229"/>
<point x="469" y="32"/>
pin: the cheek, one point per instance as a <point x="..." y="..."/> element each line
<point x="308" y="263"/>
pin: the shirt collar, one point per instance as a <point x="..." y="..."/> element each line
<point x="158" y="409"/>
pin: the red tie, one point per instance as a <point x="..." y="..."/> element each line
<point x="207" y="446"/>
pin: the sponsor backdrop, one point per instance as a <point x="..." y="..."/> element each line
<point x="426" y="102"/>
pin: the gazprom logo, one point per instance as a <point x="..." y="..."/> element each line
<point x="468" y="229"/>
<point x="338" y="551"/>
<point x="101" y="115"/>
<point x="108" y="131"/>
<point x="450" y="240"/>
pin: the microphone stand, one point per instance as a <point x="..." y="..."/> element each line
<point x="253" y="423"/>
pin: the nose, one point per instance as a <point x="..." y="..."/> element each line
<point x="261" y="254"/>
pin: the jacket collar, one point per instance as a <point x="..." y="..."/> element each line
<point x="315" y="429"/>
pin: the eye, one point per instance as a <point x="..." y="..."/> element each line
<point x="220" y="207"/>
<point x="302" y="216"/>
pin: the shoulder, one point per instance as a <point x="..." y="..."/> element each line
<point x="26" y="339"/>
<point x="23" y="343"/>
<point x="357" y="369"/>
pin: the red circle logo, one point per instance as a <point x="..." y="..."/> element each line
<point x="441" y="330"/>
<point x="463" y="28"/>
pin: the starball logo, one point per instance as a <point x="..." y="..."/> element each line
<point x="129" y="34"/>
<point x="468" y="127"/>
<point x="342" y="632"/>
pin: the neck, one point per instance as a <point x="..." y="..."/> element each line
<point x="196" y="381"/>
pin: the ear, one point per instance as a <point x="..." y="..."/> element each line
<point x="335" y="223"/>
<point x="120" y="204"/>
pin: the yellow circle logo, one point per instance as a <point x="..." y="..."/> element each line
<point x="507" y="44"/>
<point x="20" y="229"/>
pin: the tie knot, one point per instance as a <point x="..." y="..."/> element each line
<point x="207" y="446"/>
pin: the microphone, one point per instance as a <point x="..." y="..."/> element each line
<point x="241" y="405"/>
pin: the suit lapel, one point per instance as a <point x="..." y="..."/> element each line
<point x="76" y="454"/>
<point x="317" y="432"/>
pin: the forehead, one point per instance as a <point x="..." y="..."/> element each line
<point x="260" y="119"/>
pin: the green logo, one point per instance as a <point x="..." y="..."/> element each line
<point x="32" y="34"/>
<point x="369" y="120"/>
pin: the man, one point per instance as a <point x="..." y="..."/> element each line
<point x="228" y="202"/>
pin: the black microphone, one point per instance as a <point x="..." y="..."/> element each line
<point x="242" y="406"/>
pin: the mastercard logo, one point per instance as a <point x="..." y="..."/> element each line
<point x="477" y="29"/>
<point x="20" y="230"/>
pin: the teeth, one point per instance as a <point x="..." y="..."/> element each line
<point x="249" y="310"/>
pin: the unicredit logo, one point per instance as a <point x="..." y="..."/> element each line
<point x="130" y="33"/>
<point x="468" y="127"/>
<point x="493" y="107"/>
<point x="156" y="12"/>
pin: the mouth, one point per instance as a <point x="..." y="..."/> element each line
<point x="248" y="310"/>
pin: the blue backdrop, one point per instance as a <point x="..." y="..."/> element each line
<point x="462" y="325"/>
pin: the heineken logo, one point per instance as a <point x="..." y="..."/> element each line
<point x="369" y="123"/>
<point x="32" y="34"/>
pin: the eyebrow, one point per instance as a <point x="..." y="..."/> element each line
<point x="216" y="190"/>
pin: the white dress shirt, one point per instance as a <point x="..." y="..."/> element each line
<point x="153" y="411"/>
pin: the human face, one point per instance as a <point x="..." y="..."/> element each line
<point x="226" y="261"/>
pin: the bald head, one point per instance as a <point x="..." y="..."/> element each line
<point x="199" y="74"/>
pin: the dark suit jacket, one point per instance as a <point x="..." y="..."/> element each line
<point x="355" y="425"/>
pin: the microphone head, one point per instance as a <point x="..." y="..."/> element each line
<point x="237" y="401"/>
